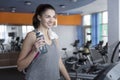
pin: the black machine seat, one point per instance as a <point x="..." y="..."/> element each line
<point x="81" y="61"/>
<point x="80" y="51"/>
<point x="71" y="60"/>
<point x="64" y="48"/>
<point x="75" y="53"/>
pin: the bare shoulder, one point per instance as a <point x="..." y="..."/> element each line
<point x="31" y="34"/>
<point x="30" y="38"/>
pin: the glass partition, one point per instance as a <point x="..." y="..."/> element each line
<point x="12" y="36"/>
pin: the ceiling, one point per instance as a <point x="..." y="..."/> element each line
<point x="62" y="6"/>
<point x="93" y="7"/>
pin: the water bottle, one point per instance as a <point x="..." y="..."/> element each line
<point x="42" y="49"/>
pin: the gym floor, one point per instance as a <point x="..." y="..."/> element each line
<point x="11" y="74"/>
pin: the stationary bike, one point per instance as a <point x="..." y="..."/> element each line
<point x="72" y="62"/>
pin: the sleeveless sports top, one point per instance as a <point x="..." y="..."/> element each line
<point x="45" y="66"/>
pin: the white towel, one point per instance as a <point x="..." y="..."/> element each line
<point x="52" y="34"/>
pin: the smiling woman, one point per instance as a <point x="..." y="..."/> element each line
<point x="39" y="48"/>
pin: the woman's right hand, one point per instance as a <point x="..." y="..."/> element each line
<point x="38" y="43"/>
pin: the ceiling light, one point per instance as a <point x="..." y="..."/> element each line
<point x="28" y="3"/>
<point x="13" y="9"/>
<point x="62" y="6"/>
<point x="74" y="0"/>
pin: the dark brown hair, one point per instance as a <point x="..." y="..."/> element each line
<point x="39" y="11"/>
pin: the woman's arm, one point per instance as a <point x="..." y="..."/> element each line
<point x="63" y="70"/>
<point x="27" y="54"/>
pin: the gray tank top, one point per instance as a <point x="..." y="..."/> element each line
<point x="45" y="66"/>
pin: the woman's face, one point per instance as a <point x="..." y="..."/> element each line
<point x="48" y="18"/>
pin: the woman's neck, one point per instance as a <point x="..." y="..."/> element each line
<point x="42" y="29"/>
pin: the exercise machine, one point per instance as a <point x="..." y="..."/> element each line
<point x="107" y="71"/>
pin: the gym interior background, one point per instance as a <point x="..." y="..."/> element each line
<point x="88" y="32"/>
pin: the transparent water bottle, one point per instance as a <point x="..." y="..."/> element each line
<point x="42" y="49"/>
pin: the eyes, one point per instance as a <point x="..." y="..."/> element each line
<point x="49" y="16"/>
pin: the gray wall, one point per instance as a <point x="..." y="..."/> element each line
<point x="67" y="36"/>
<point x="113" y="27"/>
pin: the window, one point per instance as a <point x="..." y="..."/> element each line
<point x="105" y="17"/>
<point x="5" y="30"/>
<point x="86" y="20"/>
<point x="87" y="34"/>
<point x="104" y="27"/>
<point x="87" y="27"/>
<point x="2" y="31"/>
